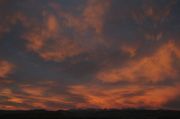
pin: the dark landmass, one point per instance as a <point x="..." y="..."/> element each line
<point x="91" y="114"/>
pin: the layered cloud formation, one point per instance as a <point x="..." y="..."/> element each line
<point x="57" y="54"/>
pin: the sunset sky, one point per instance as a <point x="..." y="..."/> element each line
<point x="64" y="54"/>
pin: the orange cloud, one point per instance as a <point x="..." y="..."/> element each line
<point x="10" y="98"/>
<point x="157" y="14"/>
<point x="6" y="91"/>
<point x="123" y="97"/>
<point x="5" y="68"/>
<point x="153" y="12"/>
<point x="16" y="100"/>
<point x="37" y="91"/>
<point x="10" y="107"/>
<point x="40" y="95"/>
<point x="10" y="19"/>
<point x="41" y="102"/>
<point x="92" y="17"/>
<point x="153" y="68"/>
<point x="33" y="96"/>
<point x="94" y="14"/>
<point x="131" y="51"/>
<point x="153" y="36"/>
<point x="49" y="41"/>
<point x="61" y="50"/>
<point x="150" y="12"/>
<point x="52" y="24"/>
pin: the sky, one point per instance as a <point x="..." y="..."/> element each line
<point x="79" y="54"/>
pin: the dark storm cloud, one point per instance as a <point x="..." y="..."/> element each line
<point x="79" y="54"/>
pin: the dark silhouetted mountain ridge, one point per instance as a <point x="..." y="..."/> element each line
<point x="91" y="114"/>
